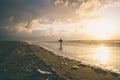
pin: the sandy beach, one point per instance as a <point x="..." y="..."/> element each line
<point x="23" y="61"/>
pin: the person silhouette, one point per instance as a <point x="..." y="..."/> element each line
<point x="60" y="43"/>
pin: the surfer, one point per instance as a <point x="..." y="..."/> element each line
<point x="60" y="43"/>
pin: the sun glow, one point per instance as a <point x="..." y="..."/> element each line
<point x="102" y="29"/>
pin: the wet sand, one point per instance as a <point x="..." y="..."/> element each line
<point x="23" y="61"/>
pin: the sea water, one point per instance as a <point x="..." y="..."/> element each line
<point x="100" y="54"/>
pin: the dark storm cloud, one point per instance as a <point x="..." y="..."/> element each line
<point x="15" y="12"/>
<point x="20" y="10"/>
<point x="19" y="13"/>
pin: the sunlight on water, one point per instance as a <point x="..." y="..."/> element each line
<point x="102" y="54"/>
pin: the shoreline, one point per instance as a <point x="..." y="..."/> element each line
<point x="24" y="61"/>
<point x="96" y="69"/>
<point x="89" y="65"/>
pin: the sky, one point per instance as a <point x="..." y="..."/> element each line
<point x="54" y="19"/>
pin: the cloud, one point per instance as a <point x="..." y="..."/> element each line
<point x="85" y="8"/>
<point x="68" y="3"/>
<point x="18" y="16"/>
<point x="14" y="12"/>
<point x="89" y="7"/>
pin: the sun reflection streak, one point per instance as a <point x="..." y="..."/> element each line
<point x="102" y="54"/>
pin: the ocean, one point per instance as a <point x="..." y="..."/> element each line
<point x="103" y="54"/>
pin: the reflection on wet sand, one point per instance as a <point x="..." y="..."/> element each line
<point x="102" y="54"/>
